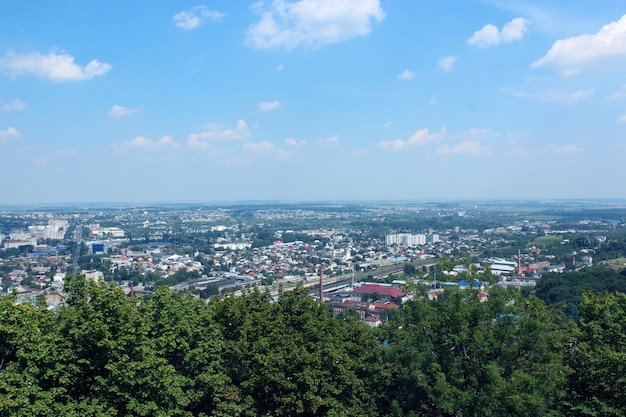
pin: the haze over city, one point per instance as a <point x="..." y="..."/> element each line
<point x="311" y="100"/>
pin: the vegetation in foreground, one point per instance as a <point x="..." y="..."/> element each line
<point x="105" y="354"/>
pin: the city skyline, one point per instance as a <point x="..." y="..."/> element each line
<point x="311" y="100"/>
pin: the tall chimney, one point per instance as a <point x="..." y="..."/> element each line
<point x="321" y="285"/>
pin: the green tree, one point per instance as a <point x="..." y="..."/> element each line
<point x="457" y="356"/>
<point x="598" y="357"/>
<point x="290" y="358"/>
<point x="444" y="264"/>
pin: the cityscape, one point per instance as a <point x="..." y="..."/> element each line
<point x="312" y="208"/>
<point x="211" y="251"/>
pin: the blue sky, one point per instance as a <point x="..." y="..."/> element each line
<point x="149" y="101"/>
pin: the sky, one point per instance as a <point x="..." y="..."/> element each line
<point x="311" y="100"/>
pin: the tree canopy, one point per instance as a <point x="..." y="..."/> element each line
<point x="103" y="353"/>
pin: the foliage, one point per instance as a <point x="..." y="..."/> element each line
<point x="598" y="357"/>
<point x="457" y="356"/>
<point x="565" y="289"/>
<point x="103" y="353"/>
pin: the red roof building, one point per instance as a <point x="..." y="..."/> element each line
<point x="377" y="291"/>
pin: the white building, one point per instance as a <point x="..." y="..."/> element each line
<point x="55" y="229"/>
<point x="500" y="266"/>
<point x="405" y="239"/>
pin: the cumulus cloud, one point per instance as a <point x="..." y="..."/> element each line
<point x="216" y="132"/>
<point x="196" y="16"/>
<point x="8" y="134"/>
<point x="406" y="75"/>
<point x="142" y="143"/>
<point x="311" y="23"/>
<point x="269" y="105"/>
<point x="447" y="63"/>
<point x="604" y="49"/>
<point x="118" y="111"/>
<point x="14" y="104"/>
<point x="51" y="66"/>
<point x="490" y="35"/>
<point x="468" y="147"/>
<point x="567" y="149"/>
<point x="420" y="138"/>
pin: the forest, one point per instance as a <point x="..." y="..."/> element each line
<point x="103" y="353"/>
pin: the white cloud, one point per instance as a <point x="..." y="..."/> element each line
<point x="604" y="49"/>
<point x="406" y="75"/>
<point x="146" y="144"/>
<point x="43" y="160"/>
<point x="619" y="94"/>
<point x="260" y="147"/>
<point x="447" y="63"/>
<point x="479" y="133"/>
<point x="468" y="147"/>
<point x="14" y="104"/>
<point x="8" y="134"/>
<point x="490" y="35"/>
<point x="574" y="98"/>
<point x="359" y="152"/>
<point x="420" y="138"/>
<point x="514" y="30"/>
<point x="196" y="16"/>
<point x="567" y="149"/>
<point x="553" y="96"/>
<point x="118" y="111"/>
<point x="215" y="132"/>
<point x="51" y="66"/>
<point x="269" y="105"/>
<point x="279" y="67"/>
<point x="293" y="142"/>
<point x="268" y="149"/>
<point x="311" y="23"/>
<point x="284" y="153"/>
<point x="331" y="140"/>
<point x="622" y="118"/>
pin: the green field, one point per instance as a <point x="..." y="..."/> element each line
<point x="544" y="241"/>
<point x="618" y="263"/>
